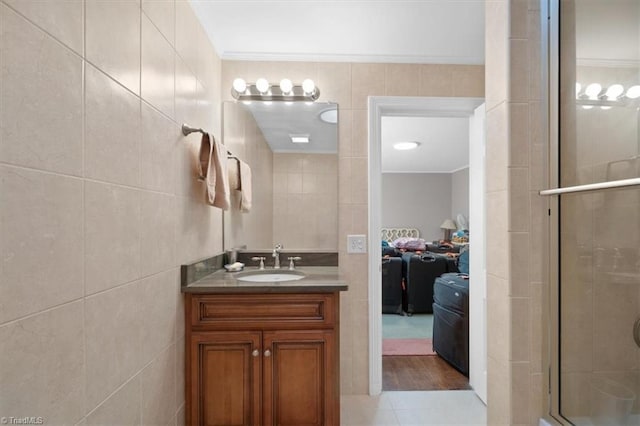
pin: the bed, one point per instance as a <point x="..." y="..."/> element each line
<point x="391" y="234"/>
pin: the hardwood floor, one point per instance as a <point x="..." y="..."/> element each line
<point x="420" y="373"/>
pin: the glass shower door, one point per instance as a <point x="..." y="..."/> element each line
<point x="599" y="212"/>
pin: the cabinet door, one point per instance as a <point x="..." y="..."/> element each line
<point x="226" y="371"/>
<point x="299" y="375"/>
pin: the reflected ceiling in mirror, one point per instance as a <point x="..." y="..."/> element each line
<point x="280" y="122"/>
<point x="294" y="185"/>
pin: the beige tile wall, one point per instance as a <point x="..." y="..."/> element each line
<point x="517" y="234"/>
<point x="305" y="200"/>
<point x="349" y="84"/>
<point x="99" y="205"/>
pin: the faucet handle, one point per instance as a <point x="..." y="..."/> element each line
<point x="292" y="259"/>
<point x="261" y="259"/>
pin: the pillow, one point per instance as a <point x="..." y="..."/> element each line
<point x="410" y="243"/>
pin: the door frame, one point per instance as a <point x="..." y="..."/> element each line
<point x="379" y="106"/>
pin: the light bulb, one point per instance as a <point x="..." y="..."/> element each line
<point x="239" y="85"/>
<point x="286" y="85"/>
<point x="308" y="86"/>
<point x="633" y="92"/>
<point x="614" y="91"/>
<point x="593" y="90"/>
<point x="262" y="85"/>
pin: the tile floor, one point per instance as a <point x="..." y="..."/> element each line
<point x="428" y="408"/>
<point x="417" y="326"/>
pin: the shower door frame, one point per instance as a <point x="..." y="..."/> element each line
<point x="550" y="13"/>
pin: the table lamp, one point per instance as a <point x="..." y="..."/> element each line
<point x="448" y="226"/>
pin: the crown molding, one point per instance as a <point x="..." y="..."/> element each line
<point x="320" y="57"/>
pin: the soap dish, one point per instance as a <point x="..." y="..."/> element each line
<point x="234" y="267"/>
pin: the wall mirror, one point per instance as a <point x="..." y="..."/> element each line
<point x="292" y="149"/>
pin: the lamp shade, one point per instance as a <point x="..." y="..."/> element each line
<point x="448" y="224"/>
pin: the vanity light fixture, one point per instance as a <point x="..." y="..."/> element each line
<point x="595" y="95"/>
<point x="404" y="146"/>
<point x="299" y="138"/>
<point x="286" y="91"/>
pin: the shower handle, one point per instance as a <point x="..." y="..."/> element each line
<point x="636" y="332"/>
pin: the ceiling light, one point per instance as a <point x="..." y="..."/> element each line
<point x="286" y="85"/>
<point x="262" y="85"/>
<point x="633" y="92"/>
<point x="614" y="91"/>
<point x="593" y="90"/>
<point x="329" y="116"/>
<point x="308" y="86"/>
<point x="299" y="138"/>
<point x="239" y="85"/>
<point x="403" y="146"/>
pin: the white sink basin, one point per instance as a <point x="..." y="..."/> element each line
<point x="269" y="276"/>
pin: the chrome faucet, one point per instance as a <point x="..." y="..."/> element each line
<point x="292" y="260"/>
<point x="261" y="259"/>
<point x="276" y="255"/>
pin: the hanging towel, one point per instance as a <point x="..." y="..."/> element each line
<point x="204" y="156"/>
<point x="213" y="169"/>
<point x="234" y="174"/>
<point x="245" y="187"/>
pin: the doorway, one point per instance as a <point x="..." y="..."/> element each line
<point x="459" y="108"/>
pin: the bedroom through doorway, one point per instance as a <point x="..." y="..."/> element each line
<point x="423" y="191"/>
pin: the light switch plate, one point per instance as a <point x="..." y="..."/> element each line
<point x="356" y="243"/>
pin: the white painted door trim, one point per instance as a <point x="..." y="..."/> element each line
<point x="380" y="106"/>
<point x="477" y="255"/>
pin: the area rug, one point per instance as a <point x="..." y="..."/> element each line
<point x="407" y="347"/>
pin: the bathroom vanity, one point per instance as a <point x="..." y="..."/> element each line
<point x="263" y="353"/>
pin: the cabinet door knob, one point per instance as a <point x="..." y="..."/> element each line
<point x="267" y="353"/>
<point x="255" y="353"/>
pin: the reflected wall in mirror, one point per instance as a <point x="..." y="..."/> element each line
<point x="294" y="185"/>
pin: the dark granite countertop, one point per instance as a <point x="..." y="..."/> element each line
<point x="318" y="279"/>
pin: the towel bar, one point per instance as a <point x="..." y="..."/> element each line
<point x="592" y="187"/>
<point x="187" y="130"/>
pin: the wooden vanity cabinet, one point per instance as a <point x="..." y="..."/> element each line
<point x="262" y="359"/>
